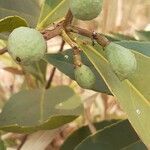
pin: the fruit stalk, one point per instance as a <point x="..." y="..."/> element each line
<point x="76" y="50"/>
<point x="100" y="39"/>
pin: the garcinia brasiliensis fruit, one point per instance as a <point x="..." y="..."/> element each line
<point x="85" y="9"/>
<point x="121" y="59"/>
<point x="26" y="45"/>
<point x="84" y="76"/>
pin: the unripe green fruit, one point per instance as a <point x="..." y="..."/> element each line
<point x="26" y="45"/>
<point x="122" y="60"/>
<point x="85" y="9"/>
<point x="84" y="77"/>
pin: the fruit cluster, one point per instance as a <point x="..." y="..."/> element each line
<point x="27" y="45"/>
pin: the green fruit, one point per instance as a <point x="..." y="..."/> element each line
<point x="84" y="77"/>
<point x="85" y="9"/>
<point x="122" y="60"/>
<point x="26" y="45"/>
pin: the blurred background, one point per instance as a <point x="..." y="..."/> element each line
<point x="119" y="18"/>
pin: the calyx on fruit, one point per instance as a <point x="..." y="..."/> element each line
<point x="84" y="76"/>
<point x="85" y="9"/>
<point x="121" y="59"/>
<point x="26" y="45"/>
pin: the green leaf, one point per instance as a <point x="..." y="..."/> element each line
<point x="138" y="46"/>
<point x="2" y="145"/>
<point x="143" y="35"/>
<point x="27" y="9"/>
<point x="38" y="70"/>
<point x="9" y="23"/>
<point x="52" y="10"/>
<point x="64" y="62"/>
<point x="32" y="110"/>
<point x="136" y="146"/>
<point x="4" y="36"/>
<point x="134" y="101"/>
<point x="70" y="104"/>
<point x="141" y="47"/>
<point x="82" y="133"/>
<point x="112" y="137"/>
<point x="119" y="37"/>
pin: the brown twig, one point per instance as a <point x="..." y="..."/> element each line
<point x="48" y="34"/>
<point x="68" y="19"/>
<point x="102" y="40"/>
<point x="66" y="25"/>
<point x="49" y="82"/>
<point x="3" y="50"/>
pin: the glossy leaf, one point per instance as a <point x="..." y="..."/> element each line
<point x="82" y="133"/>
<point x="64" y="62"/>
<point x="120" y="37"/>
<point x="52" y="10"/>
<point x="143" y="35"/>
<point x="132" y="99"/>
<point x="27" y="9"/>
<point x="9" y="23"/>
<point x="136" y="146"/>
<point x="110" y="135"/>
<point x="72" y="103"/>
<point x="32" y="110"/>
<point x="141" y="47"/>
<point x="113" y="137"/>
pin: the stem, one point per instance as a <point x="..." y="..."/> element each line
<point x="65" y="26"/>
<point x="48" y="85"/>
<point x="49" y="82"/>
<point x="3" y="50"/>
<point x="68" y="20"/>
<point x="49" y="34"/>
<point x="102" y="40"/>
<point x="68" y="39"/>
<point x="76" y="50"/>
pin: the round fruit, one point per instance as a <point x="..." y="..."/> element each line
<point x="122" y="60"/>
<point x="84" y="77"/>
<point x="85" y="9"/>
<point x="26" y="45"/>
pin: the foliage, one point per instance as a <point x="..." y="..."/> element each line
<point x="35" y="107"/>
